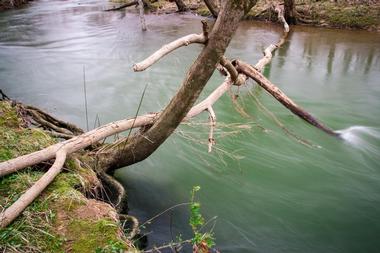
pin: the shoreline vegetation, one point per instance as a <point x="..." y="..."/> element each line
<point x="76" y="212"/>
<point x="342" y="14"/>
<point x="73" y="214"/>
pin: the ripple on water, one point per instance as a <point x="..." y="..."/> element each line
<point x="361" y="137"/>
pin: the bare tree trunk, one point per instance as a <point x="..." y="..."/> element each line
<point x="141" y="12"/>
<point x="180" y="5"/>
<point x="145" y="143"/>
<point x="290" y="12"/>
<point x="213" y="8"/>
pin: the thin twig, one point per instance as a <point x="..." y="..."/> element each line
<point x="85" y="95"/>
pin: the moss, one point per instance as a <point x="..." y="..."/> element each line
<point x="159" y="4"/>
<point x="89" y="235"/>
<point x="343" y="15"/>
<point x="203" y="11"/>
<point x="42" y="225"/>
<point x="355" y="17"/>
<point x="8" y="115"/>
<point x="16" y="141"/>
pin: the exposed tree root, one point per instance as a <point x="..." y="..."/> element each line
<point x="114" y="192"/>
<point x="135" y="225"/>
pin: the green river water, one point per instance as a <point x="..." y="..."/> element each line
<point x="270" y="192"/>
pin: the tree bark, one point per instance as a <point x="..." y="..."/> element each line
<point x="290" y="12"/>
<point x="17" y="207"/>
<point x="212" y="7"/>
<point x="180" y="5"/>
<point x="145" y="143"/>
<point x="141" y="13"/>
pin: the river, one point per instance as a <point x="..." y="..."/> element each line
<point x="270" y="191"/>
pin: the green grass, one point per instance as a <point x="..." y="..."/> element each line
<point x="89" y="235"/>
<point x="50" y="223"/>
<point x="203" y="11"/>
<point x="344" y="15"/>
<point x="355" y="17"/>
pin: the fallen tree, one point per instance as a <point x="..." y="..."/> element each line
<point x="155" y="128"/>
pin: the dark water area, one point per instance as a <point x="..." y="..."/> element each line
<point x="270" y="192"/>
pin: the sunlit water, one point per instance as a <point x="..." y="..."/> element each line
<point x="271" y="190"/>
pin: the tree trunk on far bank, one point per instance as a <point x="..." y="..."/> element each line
<point x="290" y="12"/>
<point x="180" y="5"/>
<point x="213" y="7"/>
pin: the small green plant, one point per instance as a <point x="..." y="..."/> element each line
<point x="202" y="241"/>
<point x="112" y="247"/>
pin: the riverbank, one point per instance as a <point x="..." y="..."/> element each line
<point x="67" y="216"/>
<point x="11" y="4"/>
<point x="333" y="14"/>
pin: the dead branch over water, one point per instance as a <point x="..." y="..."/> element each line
<point x="158" y="126"/>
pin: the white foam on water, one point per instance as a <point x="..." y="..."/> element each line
<point x="361" y="137"/>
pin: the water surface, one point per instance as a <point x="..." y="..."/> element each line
<point x="270" y="192"/>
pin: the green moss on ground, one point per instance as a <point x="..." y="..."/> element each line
<point x="61" y="219"/>
<point x="347" y="16"/>
<point x="203" y="11"/>
<point x="159" y="4"/>
<point x="89" y="235"/>
<point x="327" y="13"/>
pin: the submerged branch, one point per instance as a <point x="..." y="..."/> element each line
<point x="166" y="49"/>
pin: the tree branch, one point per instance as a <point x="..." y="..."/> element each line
<point x="75" y="143"/>
<point x="268" y="51"/>
<point x="212" y="118"/>
<point x="280" y="96"/>
<point x="17" y="207"/>
<point x="165" y="49"/>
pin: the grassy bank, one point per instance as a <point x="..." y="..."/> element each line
<point x="61" y="219"/>
<point x="340" y="14"/>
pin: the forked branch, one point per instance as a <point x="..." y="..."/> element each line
<point x="168" y="48"/>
